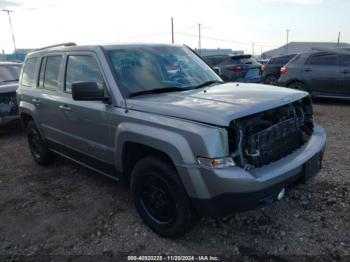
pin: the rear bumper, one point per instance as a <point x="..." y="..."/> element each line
<point x="251" y="80"/>
<point x="281" y="82"/>
<point x="235" y="189"/>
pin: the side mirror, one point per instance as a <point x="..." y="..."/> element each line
<point x="87" y="91"/>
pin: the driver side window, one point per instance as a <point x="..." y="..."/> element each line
<point x="82" y="68"/>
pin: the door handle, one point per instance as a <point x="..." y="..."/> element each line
<point x="346" y="72"/>
<point x="36" y="101"/>
<point x="65" y="108"/>
<point x="307" y="70"/>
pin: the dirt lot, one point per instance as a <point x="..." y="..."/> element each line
<point x="67" y="211"/>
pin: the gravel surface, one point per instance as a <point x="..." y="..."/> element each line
<point x="67" y="211"/>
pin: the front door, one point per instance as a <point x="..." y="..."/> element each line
<point x="88" y="136"/>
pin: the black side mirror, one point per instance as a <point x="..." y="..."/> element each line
<point x="87" y="91"/>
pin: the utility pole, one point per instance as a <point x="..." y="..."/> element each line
<point x="199" y="39"/>
<point x="172" y="30"/>
<point x="253" y="49"/>
<point x="287" y="41"/>
<point x="13" y="36"/>
<point x="338" y="39"/>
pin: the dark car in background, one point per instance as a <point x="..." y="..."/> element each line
<point x="271" y="70"/>
<point x="263" y="61"/>
<point x="321" y="73"/>
<point x="236" y="68"/>
<point x="9" y="74"/>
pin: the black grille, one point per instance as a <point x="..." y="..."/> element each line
<point x="268" y="136"/>
<point x="273" y="143"/>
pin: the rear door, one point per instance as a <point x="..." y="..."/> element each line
<point x="344" y="75"/>
<point x="47" y="96"/>
<point x="320" y="73"/>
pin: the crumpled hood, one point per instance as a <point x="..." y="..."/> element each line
<point x="8" y="88"/>
<point x="217" y="105"/>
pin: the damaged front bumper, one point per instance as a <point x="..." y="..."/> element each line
<point x="234" y="189"/>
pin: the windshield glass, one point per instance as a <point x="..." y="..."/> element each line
<point x="148" y="68"/>
<point x="9" y="72"/>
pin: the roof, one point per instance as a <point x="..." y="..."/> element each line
<point x="73" y="47"/>
<point x="299" y="47"/>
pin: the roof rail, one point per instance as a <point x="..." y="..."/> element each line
<point x="57" y="45"/>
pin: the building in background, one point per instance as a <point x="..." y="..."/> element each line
<point x="298" y="47"/>
<point x="21" y="55"/>
<point x="218" y="51"/>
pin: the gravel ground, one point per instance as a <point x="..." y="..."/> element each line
<point x="66" y="211"/>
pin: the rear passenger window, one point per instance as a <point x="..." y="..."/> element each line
<point x="28" y="78"/>
<point x="82" y="68"/>
<point x="52" y="70"/>
<point x="323" y="60"/>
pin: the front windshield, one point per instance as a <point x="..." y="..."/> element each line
<point x="9" y="73"/>
<point x="148" y="68"/>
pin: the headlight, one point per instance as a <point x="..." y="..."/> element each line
<point x="223" y="162"/>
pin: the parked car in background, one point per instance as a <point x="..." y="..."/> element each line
<point x="263" y="61"/>
<point x="9" y="74"/>
<point x="321" y="73"/>
<point x="271" y="70"/>
<point x="158" y="118"/>
<point x="236" y="68"/>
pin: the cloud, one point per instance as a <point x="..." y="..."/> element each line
<point x="301" y="2"/>
<point x="8" y="3"/>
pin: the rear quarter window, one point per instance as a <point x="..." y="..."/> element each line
<point x="28" y="75"/>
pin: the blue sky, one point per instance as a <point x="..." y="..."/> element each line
<point x="225" y="23"/>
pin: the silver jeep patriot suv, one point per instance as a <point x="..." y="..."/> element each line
<point x="159" y="118"/>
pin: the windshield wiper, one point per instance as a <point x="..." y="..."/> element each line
<point x="156" y="91"/>
<point x="12" y="80"/>
<point x="207" y="83"/>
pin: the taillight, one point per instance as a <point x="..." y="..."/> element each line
<point x="283" y="70"/>
<point x="235" y="68"/>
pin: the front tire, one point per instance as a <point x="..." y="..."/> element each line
<point x="160" y="198"/>
<point x="40" y="152"/>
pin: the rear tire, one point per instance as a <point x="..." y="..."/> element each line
<point x="160" y="198"/>
<point x="297" y="85"/>
<point x="40" y="152"/>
